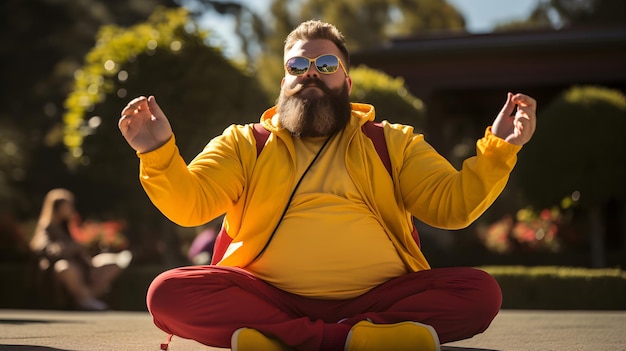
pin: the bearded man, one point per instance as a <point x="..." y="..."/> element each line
<point x="317" y="249"/>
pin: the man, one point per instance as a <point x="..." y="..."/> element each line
<point x="319" y="251"/>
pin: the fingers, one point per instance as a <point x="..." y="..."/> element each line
<point x="155" y="108"/>
<point x="509" y="106"/>
<point x="132" y="110"/>
<point x="135" y="105"/>
<point x="516" y="127"/>
<point x="527" y="109"/>
<point x="524" y="101"/>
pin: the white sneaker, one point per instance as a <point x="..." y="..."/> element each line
<point x="123" y="259"/>
<point x="92" y="304"/>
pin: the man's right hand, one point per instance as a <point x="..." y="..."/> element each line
<point x="144" y="124"/>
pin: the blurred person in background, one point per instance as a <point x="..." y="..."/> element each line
<point x="201" y="249"/>
<point x="84" y="277"/>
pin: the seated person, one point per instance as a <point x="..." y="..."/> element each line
<point x="84" y="277"/>
<point x="317" y="251"/>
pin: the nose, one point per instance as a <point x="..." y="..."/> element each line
<point x="311" y="71"/>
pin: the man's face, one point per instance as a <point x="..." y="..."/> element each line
<point x="314" y="104"/>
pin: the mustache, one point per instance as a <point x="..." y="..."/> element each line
<point x="312" y="81"/>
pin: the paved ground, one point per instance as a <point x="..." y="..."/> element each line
<point x="26" y="330"/>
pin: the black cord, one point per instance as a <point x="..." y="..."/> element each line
<point x="293" y="193"/>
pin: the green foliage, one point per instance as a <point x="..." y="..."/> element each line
<point x="200" y="91"/>
<point x="551" y="287"/>
<point x="557" y="14"/>
<point x="270" y="72"/>
<point x="115" y="47"/>
<point x="43" y="43"/>
<point x="364" y="23"/>
<point x="556" y="271"/>
<point x="12" y="164"/>
<point x="368" y="23"/>
<point x="579" y="147"/>
<point x="585" y="12"/>
<point x="389" y="96"/>
<point x="425" y="15"/>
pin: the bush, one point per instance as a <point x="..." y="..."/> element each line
<point x="389" y="95"/>
<point x="579" y="148"/>
<point x="560" y="288"/>
<point x="200" y="90"/>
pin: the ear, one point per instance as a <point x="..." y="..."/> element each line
<point x="349" y="81"/>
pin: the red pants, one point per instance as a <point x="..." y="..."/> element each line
<point x="208" y="303"/>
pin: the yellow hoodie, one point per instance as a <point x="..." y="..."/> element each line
<point x="226" y="177"/>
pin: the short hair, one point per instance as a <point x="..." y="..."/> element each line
<point x="316" y="29"/>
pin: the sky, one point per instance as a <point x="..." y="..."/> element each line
<point x="480" y="17"/>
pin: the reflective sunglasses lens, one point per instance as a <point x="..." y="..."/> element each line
<point x="297" y="65"/>
<point x="327" y="64"/>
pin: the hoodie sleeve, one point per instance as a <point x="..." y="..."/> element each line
<point x="191" y="195"/>
<point x="442" y="196"/>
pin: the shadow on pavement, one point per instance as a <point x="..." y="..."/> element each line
<point x="20" y="321"/>
<point x="29" y="348"/>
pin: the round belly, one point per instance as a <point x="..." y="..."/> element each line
<point x="328" y="247"/>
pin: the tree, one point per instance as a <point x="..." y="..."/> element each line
<point x="200" y="90"/>
<point x="42" y="43"/>
<point x="571" y="13"/>
<point x="249" y="25"/>
<point x="389" y="95"/>
<point x="579" y="150"/>
<point x="369" y="23"/>
<point x="364" y="23"/>
<point x="166" y="56"/>
<point x="585" y="12"/>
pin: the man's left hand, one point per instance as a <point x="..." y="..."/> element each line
<point x="519" y="128"/>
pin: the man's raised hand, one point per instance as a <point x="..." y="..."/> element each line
<point x="519" y="128"/>
<point x="144" y="125"/>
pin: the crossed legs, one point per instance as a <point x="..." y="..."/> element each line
<point x="208" y="303"/>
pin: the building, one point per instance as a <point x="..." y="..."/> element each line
<point x="463" y="78"/>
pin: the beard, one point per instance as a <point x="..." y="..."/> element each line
<point x="313" y="114"/>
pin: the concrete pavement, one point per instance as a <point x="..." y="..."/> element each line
<point x="38" y="330"/>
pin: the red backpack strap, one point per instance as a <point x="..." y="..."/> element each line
<point x="223" y="240"/>
<point x="375" y="132"/>
<point x="221" y="245"/>
<point x="416" y="236"/>
<point x="260" y="135"/>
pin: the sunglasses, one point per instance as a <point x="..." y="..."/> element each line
<point x="325" y="64"/>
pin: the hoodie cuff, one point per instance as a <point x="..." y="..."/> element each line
<point x="161" y="156"/>
<point x="492" y="145"/>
